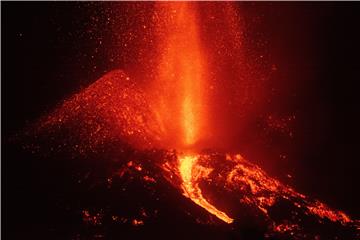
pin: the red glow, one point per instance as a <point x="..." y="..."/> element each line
<point x="182" y="107"/>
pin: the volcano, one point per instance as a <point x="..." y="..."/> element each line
<point x="139" y="186"/>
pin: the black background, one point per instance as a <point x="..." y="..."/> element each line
<point x="43" y="63"/>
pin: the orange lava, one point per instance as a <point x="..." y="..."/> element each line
<point x="190" y="173"/>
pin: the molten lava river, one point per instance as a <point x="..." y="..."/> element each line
<point x="152" y="137"/>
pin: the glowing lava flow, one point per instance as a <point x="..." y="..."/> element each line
<point x="190" y="173"/>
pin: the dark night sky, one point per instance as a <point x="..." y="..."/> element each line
<point x="42" y="64"/>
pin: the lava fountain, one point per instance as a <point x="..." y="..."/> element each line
<point x="181" y="83"/>
<point x="182" y="101"/>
